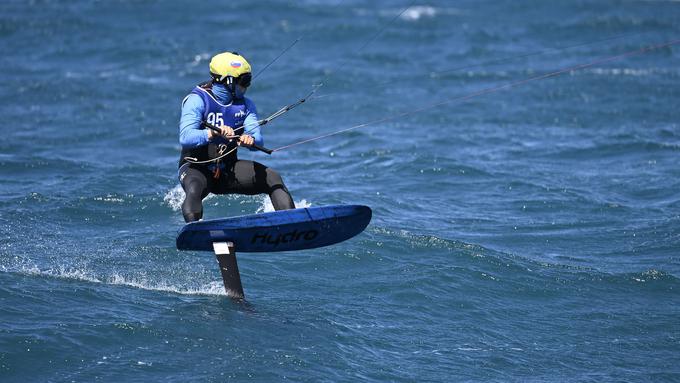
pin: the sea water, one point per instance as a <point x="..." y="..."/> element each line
<point x="529" y="233"/>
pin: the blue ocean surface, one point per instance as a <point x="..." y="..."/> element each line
<point x="521" y="158"/>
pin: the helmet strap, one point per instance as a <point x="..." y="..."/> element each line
<point x="231" y="87"/>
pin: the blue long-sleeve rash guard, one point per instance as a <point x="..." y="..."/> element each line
<point x="190" y="132"/>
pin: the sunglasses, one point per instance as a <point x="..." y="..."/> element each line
<point x="242" y="80"/>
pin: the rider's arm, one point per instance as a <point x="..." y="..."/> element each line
<point x="251" y="127"/>
<point x="190" y="132"/>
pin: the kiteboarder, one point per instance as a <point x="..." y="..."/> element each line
<point x="209" y="163"/>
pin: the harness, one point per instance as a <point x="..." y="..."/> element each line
<point x="219" y="150"/>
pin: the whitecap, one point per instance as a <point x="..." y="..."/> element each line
<point x="148" y="80"/>
<point x="210" y="288"/>
<point x="175" y="197"/>
<point x="199" y="58"/>
<point x="141" y="282"/>
<point x="634" y="72"/>
<point x="267" y="206"/>
<point x="418" y="12"/>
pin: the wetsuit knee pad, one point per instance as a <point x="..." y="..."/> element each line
<point x="193" y="190"/>
<point x="192" y="208"/>
<point x="274" y="180"/>
<point x="278" y="193"/>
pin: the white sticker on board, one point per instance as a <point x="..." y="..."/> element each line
<point x="222" y="247"/>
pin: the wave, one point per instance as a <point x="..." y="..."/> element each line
<point x="604" y="150"/>
<point x="432" y="263"/>
<point x="140" y="282"/>
<point x="634" y="72"/>
<point x="492" y="263"/>
<point x="412" y="13"/>
<point x="649" y="275"/>
<point x="417" y="12"/>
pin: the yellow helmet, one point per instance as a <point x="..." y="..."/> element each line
<point x="230" y="68"/>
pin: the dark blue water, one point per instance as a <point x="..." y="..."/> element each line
<point x="528" y="234"/>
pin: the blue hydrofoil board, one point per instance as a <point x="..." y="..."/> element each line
<point x="282" y="230"/>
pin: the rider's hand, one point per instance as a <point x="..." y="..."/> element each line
<point x="246" y="140"/>
<point x="225" y="131"/>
